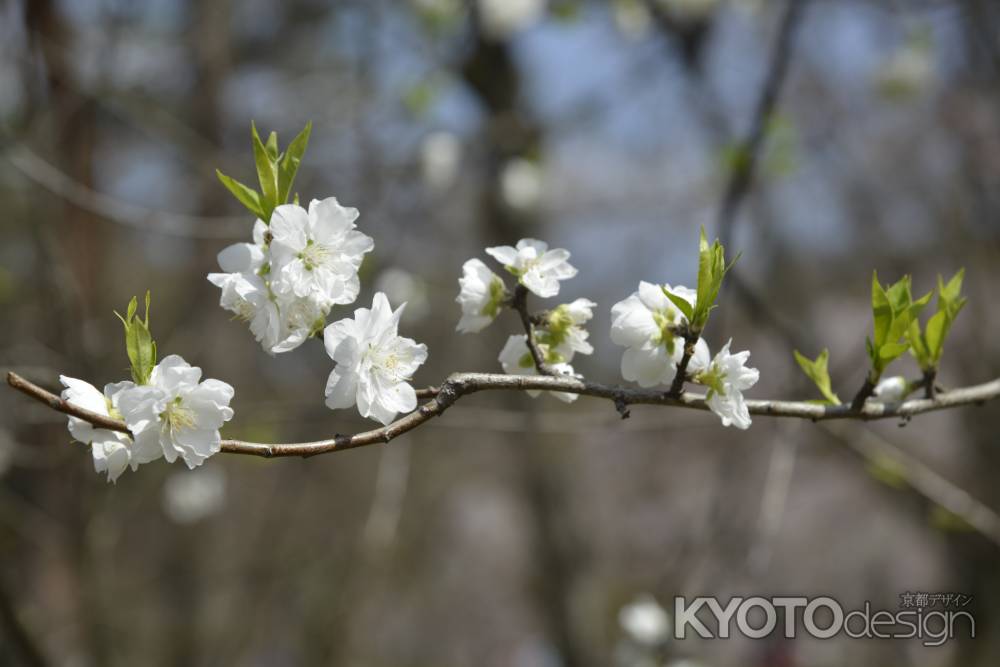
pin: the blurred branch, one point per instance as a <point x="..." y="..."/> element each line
<point x="749" y="149"/>
<point x="31" y="165"/>
<point x="463" y="384"/>
<point x="923" y="479"/>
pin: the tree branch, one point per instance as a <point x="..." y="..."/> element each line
<point x="463" y="384"/>
<point x="745" y="169"/>
<point x="520" y="303"/>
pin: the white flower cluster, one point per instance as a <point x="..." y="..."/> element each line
<point x="647" y="325"/>
<point x="173" y="416"/>
<point x="559" y="335"/>
<point x="284" y="285"/>
<point x="297" y="268"/>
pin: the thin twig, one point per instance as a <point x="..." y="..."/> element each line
<point x="749" y="150"/>
<point x="520" y="303"/>
<point x="923" y="479"/>
<point x="677" y="386"/>
<point x="463" y="384"/>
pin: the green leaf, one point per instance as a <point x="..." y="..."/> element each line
<point x="139" y="344"/>
<point x="881" y="312"/>
<point x="711" y="270"/>
<point x="289" y="164"/>
<point x="918" y="344"/>
<point x="818" y="372"/>
<point x="246" y="196"/>
<point x="266" y="174"/>
<point x="682" y="304"/>
<point x="891" y="351"/>
<point x="272" y="146"/>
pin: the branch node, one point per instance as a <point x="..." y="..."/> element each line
<point x="621" y="405"/>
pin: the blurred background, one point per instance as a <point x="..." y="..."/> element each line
<point x="822" y="139"/>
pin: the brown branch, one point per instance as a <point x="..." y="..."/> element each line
<point x="463" y="384"/>
<point x="520" y="303"/>
<point x="677" y="386"/>
<point x="60" y="405"/>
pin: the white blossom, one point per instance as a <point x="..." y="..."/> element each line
<point x="644" y="324"/>
<point x="515" y="358"/>
<point x="563" y="331"/>
<point x="645" y="621"/>
<point x="727" y="377"/>
<point x="112" y="451"/>
<point x="285" y="282"/>
<point x="175" y="415"/>
<point x="481" y="296"/>
<point x="536" y="267"/>
<point x="891" y="389"/>
<point x="316" y="253"/>
<point x="374" y="363"/>
<point x="502" y="18"/>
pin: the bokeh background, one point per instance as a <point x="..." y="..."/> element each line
<point x="823" y="139"/>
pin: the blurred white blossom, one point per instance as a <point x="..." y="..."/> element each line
<point x="401" y="286"/>
<point x="521" y="184"/>
<point x="689" y="10"/>
<point x="502" y="18"/>
<point x="645" y="621"/>
<point x="440" y="158"/>
<point x="192" y="496"/>
<point x="908" y="71"/>
<point x="632" y="18"/>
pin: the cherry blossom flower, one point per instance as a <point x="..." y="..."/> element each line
<point x="727" y="377"/>
<point x="645" y="323"/>
<point x="112" y="451"/>
<point x="515" y="358"/>
<point x="374" y="363"/>
<point x="481" y="297"/>
<point x="563" y="331"/>
<point x="316" y="253"/>
<point x="535" y="266"/>
<point x="175" y="415"/>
